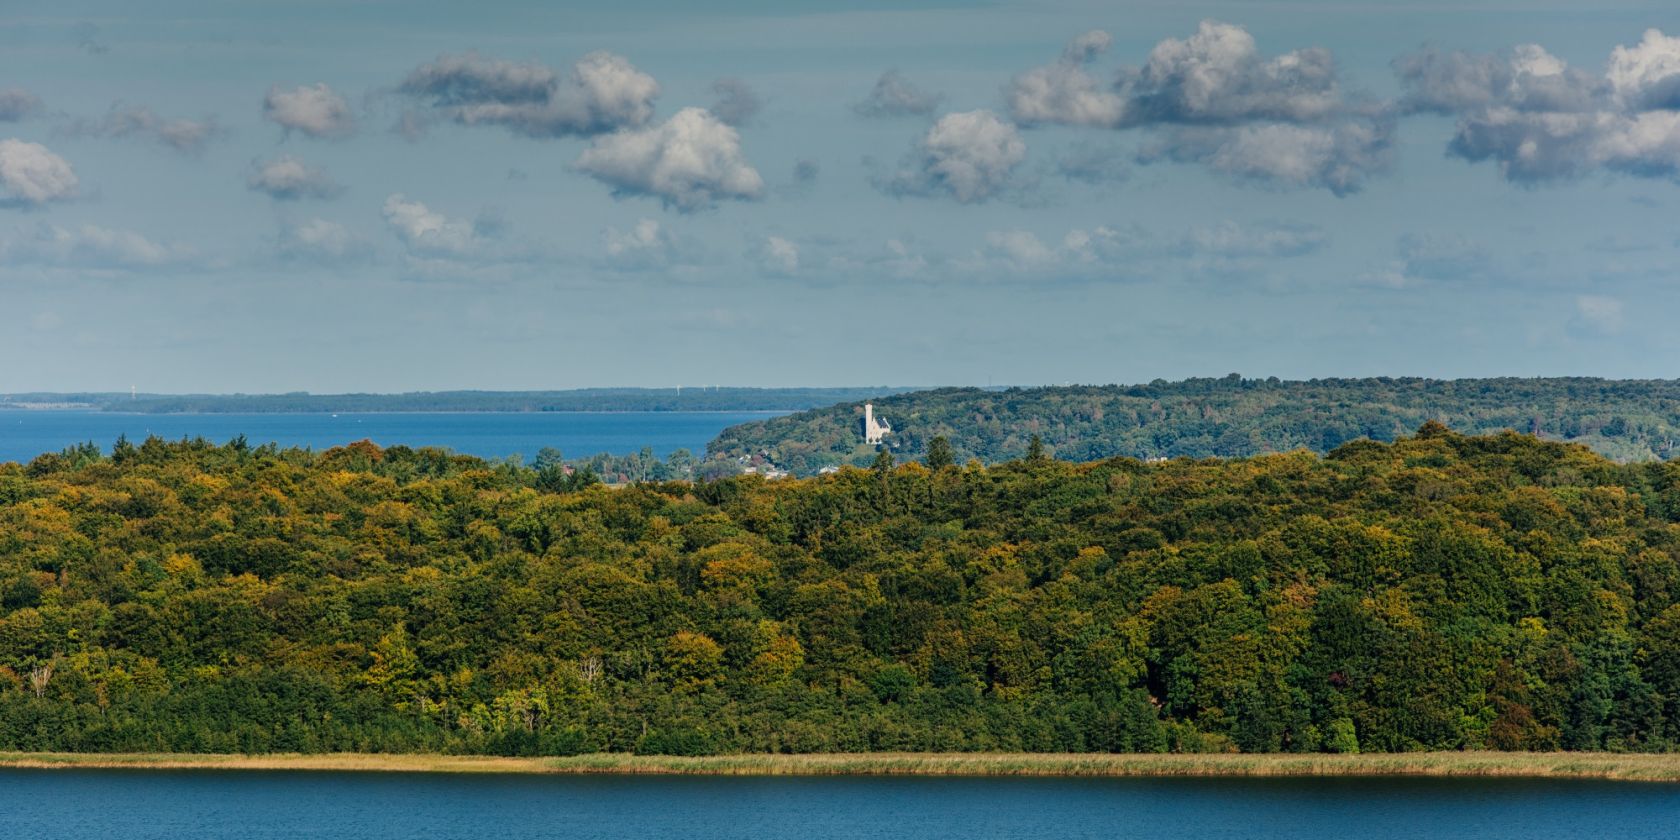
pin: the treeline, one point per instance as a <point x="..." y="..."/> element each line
<point x="1440" y="592"/>
<point x="1625" y="420"/>
<point x="584" y="399"/>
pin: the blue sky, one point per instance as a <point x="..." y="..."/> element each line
<point x="243" y="196"/>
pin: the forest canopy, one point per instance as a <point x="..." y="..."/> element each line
<point x="1625" y="420"/>
<point x="1439" y="592"/>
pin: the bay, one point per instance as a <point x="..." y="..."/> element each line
<point x="262" y="805"/>
<point x="26" y="434"/>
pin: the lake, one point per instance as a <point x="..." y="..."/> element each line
<point x="257" y="805"/>
<point x="26" y="434"/>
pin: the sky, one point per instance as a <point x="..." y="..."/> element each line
<point x="222" y="196"/>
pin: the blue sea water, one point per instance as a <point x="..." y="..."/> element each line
<point x="26" y="434"/>
<point x="253" y="805"/>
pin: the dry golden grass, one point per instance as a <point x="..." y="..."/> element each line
<point x="1642" y="767"/>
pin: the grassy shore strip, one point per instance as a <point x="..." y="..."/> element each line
<point x="1640" y="767"/>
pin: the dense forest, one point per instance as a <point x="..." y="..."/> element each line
<point x="1625" y="420"/>
<point x="1440" y="592"/>
<point x="583" y="399"/>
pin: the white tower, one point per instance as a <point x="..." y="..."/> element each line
<point x="874" y="430"/>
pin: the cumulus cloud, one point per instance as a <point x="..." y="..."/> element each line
<point x="180" y="134"/>
<point x="736" y="103"/>
<point x="1214" y="99"/>
<point x="689" y="162"/>
<point x="1338" y="157"/>
<point x="92" y="248"/>
<point x="31" y="175"/>
<point x="18" y="104"/>
<point x="896" y="96"/>
<point x="427" y="233"/>
<point x="1541" y="120"/>
<point x="970" y="156"/>
<point x="314" y="110"/>
<point x="603" y="92"/>
<point x="286" y="178"/>
<point x="323" y="241"/>
<point x="777" y="256"/>
<point x="1065" y="93"/>
<point x="1218" y="76"/>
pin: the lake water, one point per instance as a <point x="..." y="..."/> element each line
<point x="253" y="805"/>
<point x="26" y="434"/>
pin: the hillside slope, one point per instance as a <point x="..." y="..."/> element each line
<point x="1443" y="592"/>
<point x="1625" y="420"/>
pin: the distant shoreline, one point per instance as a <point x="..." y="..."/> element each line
<point x="94" y="409"/>
<point x="1647" y="767"/>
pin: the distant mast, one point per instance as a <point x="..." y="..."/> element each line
<point x="874" y="430"/>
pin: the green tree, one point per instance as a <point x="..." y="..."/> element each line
<point x="939" y="453"/>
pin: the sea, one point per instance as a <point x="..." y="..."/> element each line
<point x="270" y="805"/>
<point x="25" y="434"/>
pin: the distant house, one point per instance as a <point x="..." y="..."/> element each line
<point x="874" y="431"/>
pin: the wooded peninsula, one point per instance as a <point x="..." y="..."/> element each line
<point x="1228" y="417"/>
<point x="1443" y="592"/>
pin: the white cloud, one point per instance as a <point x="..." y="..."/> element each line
<point x="1541" y="120"/>
<point x="1125" y="250"/>
<point x="896" y="96"/>
<point x="1023" y="250"/>
<point x="778" y="256"/>
<point x="320" y="240"/>
<point x="646" y="236"/>
<point x="180" y="134"/>
<point x="91" y="247"/>
<point x="1213" y="99"/>
<point x="1647" y="76"/>
<point x="31" y="175"/>
<point x="603" y="92"/>
<point x="314" y="110"/>
<point x="690" y="162"/>
<point x="286" y="178"/>
<point x="1338" y="157"/>
<point x="428" y="233"/>
<point x="1064" y="93"/>
<point x="970" y="156"/>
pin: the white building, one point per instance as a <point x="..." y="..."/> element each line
<point x="874" y="430"/>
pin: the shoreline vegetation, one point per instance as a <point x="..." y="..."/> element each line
<point x="1488" y="764"/>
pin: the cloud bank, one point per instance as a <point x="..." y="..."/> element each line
<point x="1214" y="99"/>
<point x="603" y="92"/>
<point x="1541" y="120"/>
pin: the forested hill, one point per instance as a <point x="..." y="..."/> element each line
<point x="582" y="399"/>
<point x="1443" y="592"/>
<point x="1626" y="420"/>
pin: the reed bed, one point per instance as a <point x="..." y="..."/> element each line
<point x="1624" y="766"/>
